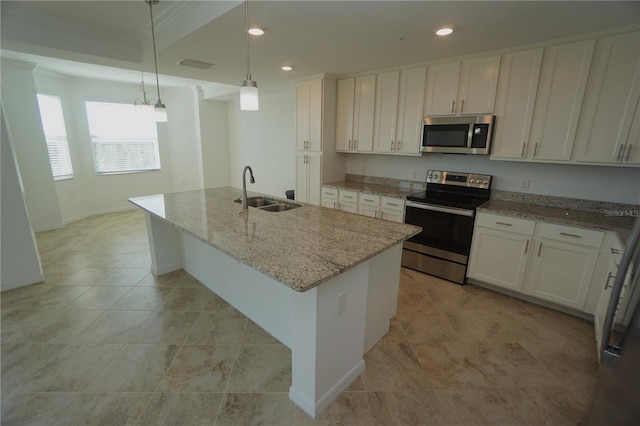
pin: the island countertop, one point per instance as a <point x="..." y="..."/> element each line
<point x="301" y="248"/>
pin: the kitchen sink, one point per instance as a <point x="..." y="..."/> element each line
<point x="269" y="204"/>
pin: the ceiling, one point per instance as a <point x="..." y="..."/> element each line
<point x="337" y="37"/>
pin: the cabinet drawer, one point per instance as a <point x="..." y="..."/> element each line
<point x="329" y="193"/>
<point x="349" y="196"/>
<point x="391" y="203"/>
<point x="369" y="200"/>
<point x="569" y="234"/>
<point x="506" y="223"/>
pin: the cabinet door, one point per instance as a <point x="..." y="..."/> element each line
<point x="410" y="106"/>
<point x="561" y="272"/>
<point x="348" y="207"/>
<point x="563" y="79"/>
<point x="499" y="257"/>
<point x="314" y="178"/>
<point x="344" y="114"/>
<point x="632" y="149"/>
<point x="370" y="211"/>
<point x="611" y="101"/>
<point x="478" y="86"/>
<point x="603" y="301"/>
<point x="386" y="111"/>
<point x="515" y="101"/>
<point x="329" y="203"/>
<point x="442" y="89"/>
<point x="302" y="178"/>
<point x="302" y="115"/>
<point x="315" y="116"/>
<point x="365" y="92"/>
<point x="392" y="215"/>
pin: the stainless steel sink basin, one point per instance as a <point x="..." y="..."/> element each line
<point x="269" y="204"/>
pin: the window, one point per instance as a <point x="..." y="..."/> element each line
<point x="55" y="134"/>
<point x="123" y="137"/>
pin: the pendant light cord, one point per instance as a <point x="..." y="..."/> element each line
<point x="155" y="56"/>
<point x="246" y="30"/>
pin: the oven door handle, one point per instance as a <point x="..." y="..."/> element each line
<point x="452" y="210"/>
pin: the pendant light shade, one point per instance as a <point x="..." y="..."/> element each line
<point x="248" y="87"/>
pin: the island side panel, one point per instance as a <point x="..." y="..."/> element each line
<point x="328" y="336"/>
<point x="382" y="296"/>
<point x="262" y="299"/>
<point x="164" y="245"/>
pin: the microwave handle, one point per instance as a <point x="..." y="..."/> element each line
<point x="452" y="210"/>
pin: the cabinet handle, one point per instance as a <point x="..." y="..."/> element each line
<point x="392" y="146"/>
<point x="615" y="251"/>
<point x="535" y="150"/>
<point x="392" y="204"/>
<point x="335" y="205"/>
<point x="355" y="143"/>
<point x="376" y="213"/>
<point x="526" y="248"/>
<point x="347" y="196"/>
<point x="381" y="215"/>
<point x="570" y="235"/>
<point x="399" y="143"/>
<point x="628" y="152"/>
<point x="504" y="223"/>
<point x="366" y="199"/>
<point x="349" y="143"/>
<point x="453" y="106"/>
<point x="606" y="284"/>
<point x="620" y="152"/>
<point x="462" y="106"/>
<point x="524" y="148"/>
<point x="539" y="249"/>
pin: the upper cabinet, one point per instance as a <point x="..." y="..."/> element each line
<point x="609" y="128"/>
<point x="467" y="87"/>
<point x="355" y="108"/>
<point x="309" y="104"/>
<point x="538" y="107"/>
<point x="399" y="105"/>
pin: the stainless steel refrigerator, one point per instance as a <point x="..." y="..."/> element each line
<point x="616" y="400"/>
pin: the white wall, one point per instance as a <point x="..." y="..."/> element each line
<point x="214" y="142"/>
<point x="264" y="140"/>
<point x="23" y="117"/>
<point x="20" y="262"/>
<point x="602" y="183"/>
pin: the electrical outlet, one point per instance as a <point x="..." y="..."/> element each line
<point x="342" y="303"/>
<point x="524" y="185"/>
<point x="412" y="174"/>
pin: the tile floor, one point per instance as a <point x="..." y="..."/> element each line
<point x="103" y="342"/>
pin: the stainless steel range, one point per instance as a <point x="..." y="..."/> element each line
<point x="446" y="213"/>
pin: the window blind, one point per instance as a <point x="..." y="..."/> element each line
<point x="123" y="137"/>
<point x="55" y="134"/>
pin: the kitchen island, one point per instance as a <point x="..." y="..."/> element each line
<point x="321" y="281"/>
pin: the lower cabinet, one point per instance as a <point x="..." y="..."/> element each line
<point x="308" y="177"/>
<point x="547" y="261"/>
<point x="380" y="207"/>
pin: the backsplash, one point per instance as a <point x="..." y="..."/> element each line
<point x="604" y="207"/>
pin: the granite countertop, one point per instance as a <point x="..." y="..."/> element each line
<point x="370" y="188"/>
<point x="301" y="248"/>
<point x="605" y="221"/>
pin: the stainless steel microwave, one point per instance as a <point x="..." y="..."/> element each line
<point x="469" y="134"/>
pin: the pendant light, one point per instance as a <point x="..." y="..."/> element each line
<point x="248" y="88"/>
<point x="159" y="108"/>
<point x="143" y="102"/>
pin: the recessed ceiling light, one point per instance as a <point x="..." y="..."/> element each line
<point x="257" y="31"/>
<point x="445" y="31"/>
<point x="286" y="68"/>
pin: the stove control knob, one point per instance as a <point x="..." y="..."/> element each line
<point x="472" y="180"/>
<point x="485" y="182"/>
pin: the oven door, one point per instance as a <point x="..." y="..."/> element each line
<point x="446" y="231"/>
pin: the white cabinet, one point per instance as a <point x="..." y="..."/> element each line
<point x="369" y="205"/>
<point x="563" y="79"/>
<point x="392" y="209"/>
<point x="355" y="111"/>
<point x="309" y="115"/>
<point x="609" y="128"/>
<point x="467" y="87"/>
<point x="399" y="106"/>
<point x="348" y="201"/>
<point x="308" y="177"/>
<point x="563" y="264"/>
<point x="500" y="250"/>
<point x="515" y="101"/>
<point x="329" y="198"/>
<point x="538" y="107"/>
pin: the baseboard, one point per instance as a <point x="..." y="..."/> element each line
<point x="23" y="282"/>
<point x="313" y="409"/>
<point x="165" y="269"/>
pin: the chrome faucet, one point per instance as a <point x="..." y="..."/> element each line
<point x="245" y="206"/>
